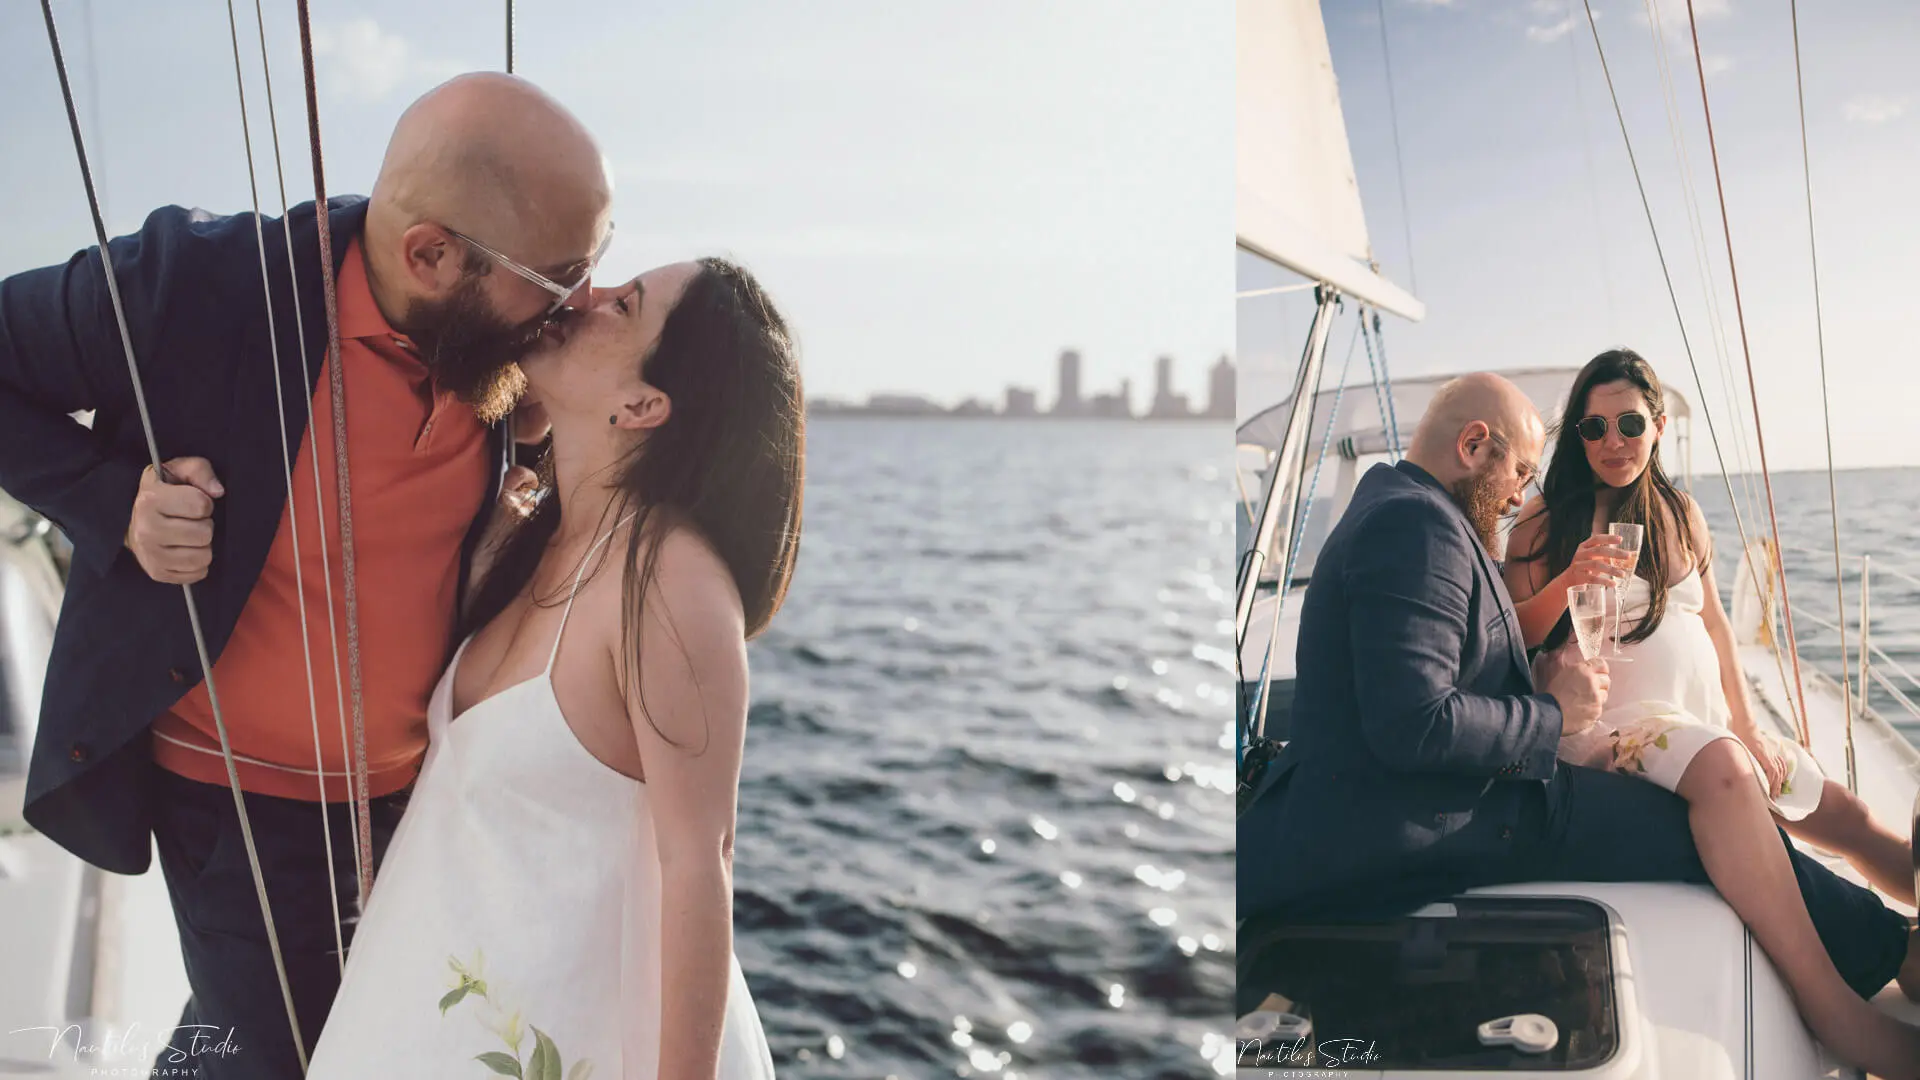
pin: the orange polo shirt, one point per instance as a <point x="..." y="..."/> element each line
<point x="419" y="472"/>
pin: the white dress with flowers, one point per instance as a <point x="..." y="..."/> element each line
<point x="515" y="927"/>
<point x="1665" y="703"/>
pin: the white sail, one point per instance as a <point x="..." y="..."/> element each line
<point x="1296" y="200"/>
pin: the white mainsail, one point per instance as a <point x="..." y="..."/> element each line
<point x="1296" y="200"/>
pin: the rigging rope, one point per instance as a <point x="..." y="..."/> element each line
<point x="1646" y="206"/>
<point x="286" y="455"/>
<point x="1399" y="166"/>
<point x="1258" y="716"/>
<point x="153" y="451"/>
<point x="320" y="510"/>
<point x="1593" y="182"/>
<point x="363" y="824"/>
<point x="1826" y="415"/>
<point x="1746" y="349"/>
<point x="1383" y="385"/>
<point x="513" y="445"/>
<point x="1710" y="294"/>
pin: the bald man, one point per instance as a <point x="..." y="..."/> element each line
<point x="1422" y="756"/>
<point x="489" y="213"/>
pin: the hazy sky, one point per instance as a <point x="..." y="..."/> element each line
<point x="1526" y="256"/>
<point x="942" y="196"/>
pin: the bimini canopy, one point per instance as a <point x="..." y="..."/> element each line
<point x="1359" y="414"/>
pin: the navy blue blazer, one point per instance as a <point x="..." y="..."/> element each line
<point x="1415" y="728"/>
<point x="123" y="653"/>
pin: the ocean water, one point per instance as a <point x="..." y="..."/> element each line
<point x="1876" y="519"/>
<point x="985" y="816"/>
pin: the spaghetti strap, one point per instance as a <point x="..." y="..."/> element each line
<point x="578" y="576"/>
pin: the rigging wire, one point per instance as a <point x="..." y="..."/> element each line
<point x="1710" y="294"/>
<point x="1826" y="414"/>
<point x="286" y="455"/>
<point x="1593" y="183"/>
<point x="1673" y="296"/>
<point x="336" y="384"/>
<point x="513" y="444"/>
<point x="1746" y="349"/>
<point x="313" y="460"/>
<point x="1399" y="164"/>
<point x="160" y="470"/>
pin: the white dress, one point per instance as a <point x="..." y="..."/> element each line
<point x="514" y="928"/>
<point x="1665" y="704"/>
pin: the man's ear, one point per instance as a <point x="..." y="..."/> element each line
<point x="432" y="258"/>
<point x="1471" y="436"/>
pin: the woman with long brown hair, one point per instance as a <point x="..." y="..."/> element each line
<point x="1677" y="711"/>
<point x="558" y="899"/>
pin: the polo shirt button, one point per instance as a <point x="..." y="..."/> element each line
<point x="178" y="676"/>
<point x="80" y="752"/>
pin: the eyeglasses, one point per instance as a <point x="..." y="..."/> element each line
<point x="561" y="293"/>
<point x="1527" y="469"/>
<point x="1594" y="428"/>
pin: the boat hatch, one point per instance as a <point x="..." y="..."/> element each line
<point x="1431" y="990"/>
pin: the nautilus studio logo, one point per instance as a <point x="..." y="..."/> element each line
<point x="1305" y="1057"/>
<point x="130" y="1052"/>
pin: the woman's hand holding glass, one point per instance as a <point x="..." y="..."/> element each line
<point x="1599" y="560"/>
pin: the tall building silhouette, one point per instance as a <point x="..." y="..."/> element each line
<point x="1220" y="384"/>
<point x="1166" y="403"/>
<point x="1069" y="402"/>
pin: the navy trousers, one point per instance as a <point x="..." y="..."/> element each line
<point x="235" y="1023"/>
<point x="1592" y="825"/>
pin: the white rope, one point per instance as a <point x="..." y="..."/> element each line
<point x="286" y="455"/>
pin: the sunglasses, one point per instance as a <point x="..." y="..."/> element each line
<point x="561" y="293"/>
<point x="1594" y="428"/>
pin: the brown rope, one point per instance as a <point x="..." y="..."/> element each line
<point x="337" y="385"/>
<point x="1746" y="349"/>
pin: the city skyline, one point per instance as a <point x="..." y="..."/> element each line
<point x="1069" y="400"/>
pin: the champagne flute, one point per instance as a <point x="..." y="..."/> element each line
<point x="1588" y="604"/>
<point x="1629" y="535"/>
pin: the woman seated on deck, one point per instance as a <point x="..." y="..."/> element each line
<point x="1681" y="690"/>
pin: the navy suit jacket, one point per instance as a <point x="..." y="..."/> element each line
<point x="1416" y="731"/>
<point x="195" y="307"/>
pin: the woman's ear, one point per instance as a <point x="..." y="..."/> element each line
<point x="1659" y="425"/>
<point x="647" y="411"/>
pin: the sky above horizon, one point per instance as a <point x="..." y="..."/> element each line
<point x="1529" y="244"/>
<point x="940" y="197"/>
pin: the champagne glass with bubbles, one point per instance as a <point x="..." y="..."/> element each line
<point x="1588" y="604"/>
<point x="1629" y="536"/>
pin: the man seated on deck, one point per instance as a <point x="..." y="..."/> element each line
<point x="1423" y="757"/>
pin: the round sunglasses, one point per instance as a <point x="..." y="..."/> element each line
<point x="1594" y="428"/>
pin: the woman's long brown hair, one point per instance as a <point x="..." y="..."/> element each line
<point x="1570" y="487"/>
<point x="729" y="463"/>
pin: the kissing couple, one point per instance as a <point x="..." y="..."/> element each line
<point x="543" y="669"/>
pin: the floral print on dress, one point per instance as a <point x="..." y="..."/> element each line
<point x="1632" y="742"/>
<point x="506" y="1023"/>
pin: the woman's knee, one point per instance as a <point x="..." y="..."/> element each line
<point x="1721" y="768"/>
<point x="1842" y="808"/>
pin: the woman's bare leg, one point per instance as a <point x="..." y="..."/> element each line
<point x="1741" y="850"/>
<point x="1844" y="825"/>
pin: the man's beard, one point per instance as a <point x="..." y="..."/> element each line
<point x="1485" y="504"/>
<point x="471" y="352"/>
